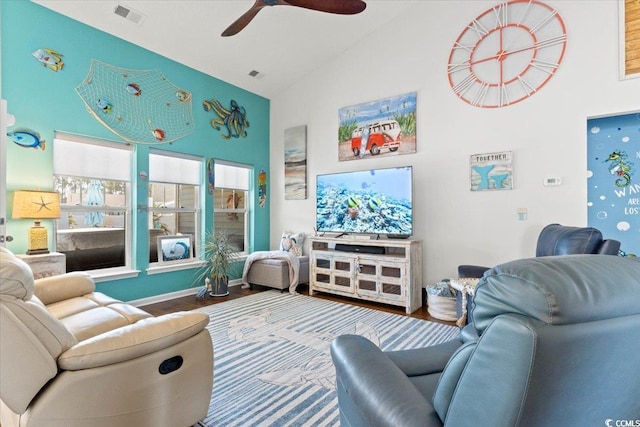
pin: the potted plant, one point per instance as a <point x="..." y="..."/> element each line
<point x="220" y="256"/>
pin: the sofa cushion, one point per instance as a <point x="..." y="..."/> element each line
<point x="16" y="278"/>
<point x="71" y="306"/>
<point x="17" y="295"/>
<point x="129" y="312"/>
<point x="144" y="337"/>
<point x="48" y="330"/>
<point x="22" y="353"/>
<point x="90" y="323"/>
<point x="101" y="299"/>
<point x="52" y="289"/>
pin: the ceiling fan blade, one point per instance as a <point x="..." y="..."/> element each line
<point x="342" y="7"/>
<point x="244" y="20"/>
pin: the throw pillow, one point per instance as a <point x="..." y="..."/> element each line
<point x="292" y="242"/>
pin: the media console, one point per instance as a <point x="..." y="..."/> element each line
<point x="392" y="274"/>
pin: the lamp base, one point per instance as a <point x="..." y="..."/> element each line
<point x="37" y="240"/>
<point x="37" y="251"/>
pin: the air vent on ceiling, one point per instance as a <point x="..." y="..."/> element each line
<point x="128" y="13"/>
<point x="257" y="74"/>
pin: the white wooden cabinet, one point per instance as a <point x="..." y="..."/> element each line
<point x="392" y="277"/>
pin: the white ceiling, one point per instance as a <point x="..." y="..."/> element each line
<point x="283" y="43"/>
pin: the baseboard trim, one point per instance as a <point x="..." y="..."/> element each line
<point x="173" y="295"/>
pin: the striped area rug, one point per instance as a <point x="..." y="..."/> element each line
<point x="272" y="365"/>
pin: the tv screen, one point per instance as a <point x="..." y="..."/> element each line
<point x="377" y="201"/>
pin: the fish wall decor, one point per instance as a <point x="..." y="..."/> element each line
<point x="27" y="138"/>
<point x="49" y="58"/>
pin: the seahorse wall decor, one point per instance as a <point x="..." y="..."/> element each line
<point x="621" y="167"/>
<point x="234" y="118"/>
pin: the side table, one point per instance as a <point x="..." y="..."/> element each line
<point x="45" y="265"/>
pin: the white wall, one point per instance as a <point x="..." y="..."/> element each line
<point x="547" y="132"/>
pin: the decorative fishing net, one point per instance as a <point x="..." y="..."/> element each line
<point x="140" y="106"/>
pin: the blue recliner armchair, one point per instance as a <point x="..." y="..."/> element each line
<point x="557" y="345"/>
<point x="556" y="239"/>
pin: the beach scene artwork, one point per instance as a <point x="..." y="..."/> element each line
<point x="295" y="163"/>
<point x="384" y="127"/>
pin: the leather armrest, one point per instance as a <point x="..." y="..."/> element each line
<point x="609" y="247"/>
<point x="143" y="337"/>
<point x="426" y="360"/>
<point x="380" y="390"/>
<point x="65" y="286"/>
<point x="469" y="333"/>
<point x="471" y="271"/>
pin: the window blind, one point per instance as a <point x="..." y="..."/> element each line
<point x="75" y="155"/>
<point x="173" y="168"/>
<point x="231" y="176"/>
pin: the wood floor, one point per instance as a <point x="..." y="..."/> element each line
<point x="190" y="303"/>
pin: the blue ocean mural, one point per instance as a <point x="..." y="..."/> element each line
<point x="613" y="197"/>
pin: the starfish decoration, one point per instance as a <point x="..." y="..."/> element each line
<point x="42" y="204"/>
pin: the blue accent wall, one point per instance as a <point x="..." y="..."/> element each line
<point x="45" y="101"/>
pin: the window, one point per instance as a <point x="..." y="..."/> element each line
<point x="93" y="179"/>
<point x="174" y="198"/>
<point x="231" y="210"/>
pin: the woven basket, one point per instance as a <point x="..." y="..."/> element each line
<point x="443" y="308"/>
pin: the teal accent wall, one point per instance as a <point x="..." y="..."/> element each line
<point x="46" y="101"/>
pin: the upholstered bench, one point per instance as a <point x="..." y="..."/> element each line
<point x="275" y="272"/>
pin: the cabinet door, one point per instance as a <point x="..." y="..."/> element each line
<point x="332" y="272"/>
<point x="393" y="281"/>
<point x="367" y="277"/>
<point x="381" y="280"/>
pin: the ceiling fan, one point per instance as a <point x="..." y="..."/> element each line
<point x="342" y="7"/>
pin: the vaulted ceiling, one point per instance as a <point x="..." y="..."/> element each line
<point x="282" y="43"/>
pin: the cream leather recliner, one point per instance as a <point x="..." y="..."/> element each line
<point x="70" y="356"/>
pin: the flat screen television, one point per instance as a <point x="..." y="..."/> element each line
<point x="377" y="201"/>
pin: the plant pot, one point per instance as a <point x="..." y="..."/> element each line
<point x="220" y="288"/>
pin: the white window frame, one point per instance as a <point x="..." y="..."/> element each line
<point x="176" y="170"/>
<point x="238" y="183"/>
<point x="126" y="270"/>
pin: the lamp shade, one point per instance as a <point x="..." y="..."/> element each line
<point x="36" y="204"/>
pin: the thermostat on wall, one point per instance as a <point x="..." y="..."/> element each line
<point x="552" y="181"/>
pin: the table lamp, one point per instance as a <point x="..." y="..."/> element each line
<point x="36" y="205"/>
